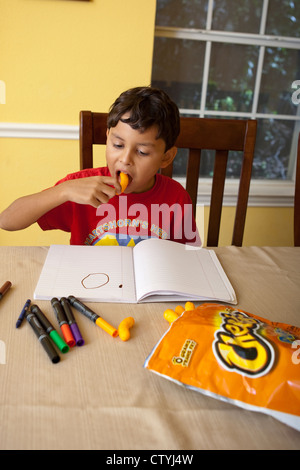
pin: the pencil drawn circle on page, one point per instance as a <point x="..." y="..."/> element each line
<point x="95" y="280"/>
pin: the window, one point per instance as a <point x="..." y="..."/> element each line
<point x="236" y="59"/>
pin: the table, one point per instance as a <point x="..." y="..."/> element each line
<point x="101" y="397"/>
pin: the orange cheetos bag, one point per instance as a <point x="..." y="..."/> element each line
<point x="235" y="356"/>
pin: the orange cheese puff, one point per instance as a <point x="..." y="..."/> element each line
<point x="189" y="306"/>
<point x="179" y="309"/>
<point x="170" y="315"/>
<point x="124" y="180"/>
<point x="124" y="327"/>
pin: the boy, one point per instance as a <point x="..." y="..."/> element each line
<point x="142" y="128"/>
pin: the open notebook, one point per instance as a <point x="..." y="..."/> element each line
<point x="153" y="271"/>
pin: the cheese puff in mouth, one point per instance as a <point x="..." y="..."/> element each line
<point x="124" y="181"/>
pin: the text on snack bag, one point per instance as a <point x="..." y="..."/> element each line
<point x="239" y="348"/>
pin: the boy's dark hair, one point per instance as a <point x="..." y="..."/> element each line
<point x="147" y="106"/>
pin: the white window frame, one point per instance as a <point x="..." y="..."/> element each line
<point x="262" y="192"/>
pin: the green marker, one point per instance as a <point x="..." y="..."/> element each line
<point x="60" y="343"/>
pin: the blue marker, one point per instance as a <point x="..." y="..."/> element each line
<point x="23" y="313"/>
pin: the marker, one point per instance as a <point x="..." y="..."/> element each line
<point x="73" y="325"/>
<point x="62" y="321"/>
<point x="23" y="313"/>
<point x="62" y="346"/>
<point x="43" y="337"/>
<point x="6" y="286"/>
<point x="92" y="316"/>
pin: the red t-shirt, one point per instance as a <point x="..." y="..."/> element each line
<point x="165" y="211"/>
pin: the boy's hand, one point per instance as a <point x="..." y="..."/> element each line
<point x="93" y="190"/>
<point x="26" y="210"/>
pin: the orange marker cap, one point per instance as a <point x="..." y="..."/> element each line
<point x="106" y="327"/>
<point x="67" y="334"/>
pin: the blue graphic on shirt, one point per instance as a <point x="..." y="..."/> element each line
<point x="118" y="239"/>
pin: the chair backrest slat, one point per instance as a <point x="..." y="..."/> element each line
<point x="216" y="200"/>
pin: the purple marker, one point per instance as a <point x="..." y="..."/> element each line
<point x="71" y="320"/>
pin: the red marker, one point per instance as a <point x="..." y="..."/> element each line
<point x="63" y="322"/>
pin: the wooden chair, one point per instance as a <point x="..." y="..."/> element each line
<point x="196" y="134"/>
<point x="297" y="199"/>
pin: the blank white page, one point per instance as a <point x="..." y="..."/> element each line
<point x="163" y="266"/>
<point x="90" y="273"/>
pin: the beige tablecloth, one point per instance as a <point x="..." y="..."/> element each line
<point x="101" y="397"/>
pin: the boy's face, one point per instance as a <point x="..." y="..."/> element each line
<point x="139" y="155"/>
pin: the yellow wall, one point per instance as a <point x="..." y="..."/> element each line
<point x="265" y="226"/>
<point x="61" y="56"/>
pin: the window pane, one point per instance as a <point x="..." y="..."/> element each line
<point x="237" y="15"/>
<point x="234" y="164"/>
<point x="177" y="69"/>
<point x="273" y="149"/>
<point x="271" y="156"/>
<point x="281" y="68"/>
<point x="231" y="77"/>
<point x="181" y="13"/>
<point x="180" y="163"/>
<point x="283" y="18"/>
<point x="207" y="161"/>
